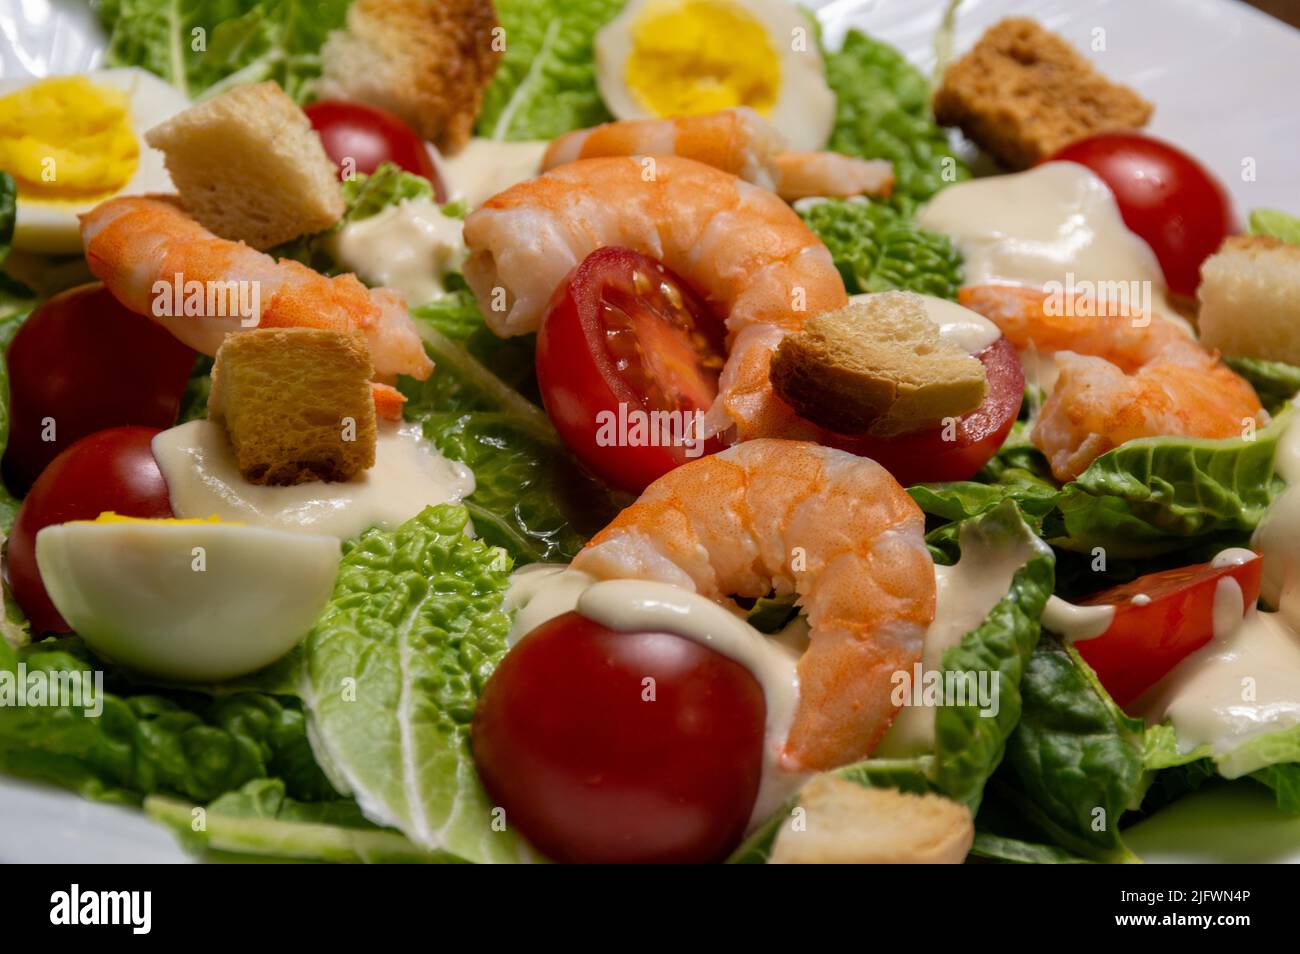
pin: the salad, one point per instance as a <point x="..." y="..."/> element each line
<point x="506" y="431"/>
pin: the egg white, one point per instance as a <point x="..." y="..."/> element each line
<point x="51" y="227"/>
<point x="135" y="593"/>
<point x="804" y="112"/>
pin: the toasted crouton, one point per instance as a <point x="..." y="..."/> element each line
<point x="427" y="61"/>
<point x="845" y="823"/>
<point x="1023" y="92"/>
<point x="876" y="366"/>
<point x="296" y="403"/>
<point x="250" y="168"/>
<point x="1250" y="299"/>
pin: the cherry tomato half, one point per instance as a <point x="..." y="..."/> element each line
<point x="1165" y="196"/>
<point x="1172" y="618"/>
<point x="592" y="769"/>
<point x="953" y="453"/>
<point x="113" y="470"/>
<point x="623" y="338"/>
<point x="82" y="362"/>
<point x="369" y="137"/>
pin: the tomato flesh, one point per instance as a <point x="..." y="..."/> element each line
<point x="365" y="137"/>
<point x="82" y="362"/>
<point x="624" y="336"/>
<point x="957" y="453"/>
<point x="113" y="469"/>
<point x="1172" y="618"/>
<point x="1165" y="196"/>
<point x="632" y="747"/>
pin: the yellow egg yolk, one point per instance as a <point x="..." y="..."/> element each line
<point x="109" y="516"/>
<point x="700" y="56"/>
<point x="67" y="139"/>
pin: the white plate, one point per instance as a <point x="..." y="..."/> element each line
<point x="1218" y="73"/>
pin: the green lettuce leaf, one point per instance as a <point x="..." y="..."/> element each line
<point x="393" y="671"/>
<point x="545" y="84"/>
<point x="883" y="112"/>
<point x="150" y="743"/>
<point x="877" y="248"/>
<point x="1074" y="764"/>
<point x="261" y="822"/>
<point x="531" y="497"/>
<point x="999" y="848"/>
<point x="204" y="46"/>
<point x="1159" y="494"/>
<point x="1276" y="382"/>
<point x="1278" y="225"/>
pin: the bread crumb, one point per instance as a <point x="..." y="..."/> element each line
<point x="249" y="167"/>
<point x="296" y="403"/>
<point x="876" y="366"/>
<point x="1023" y="93"/>
<point x="846" y="823"/>
<point x="1250" y="299"/>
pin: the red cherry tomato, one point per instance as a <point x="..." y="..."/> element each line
<point x="1147" y="639"/>
<point x="369" y="137"/>
<point x="943" y="454"/>
<point x="1165" y="196"/>
<point x="590" y="770"/>
<point x="622" y="338"/>
<point x="80" y="363"/>
<point x="113" y="470"/>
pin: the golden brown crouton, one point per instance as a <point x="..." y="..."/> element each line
<point x="845" y="823"/>
<point x="876" y="366"/>
<point x="1250" y="299"/>
<point x="296" y="403"/>
<point x="250" y="168"/>
<point x="427" y="61"/>
<point x="1022" y="93"/>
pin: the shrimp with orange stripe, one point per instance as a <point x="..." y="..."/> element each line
<point x="133" y="243"/>
<point x="833" y="528"/>
<point x="738" y="141"/>
<point x="1118" y="377"/>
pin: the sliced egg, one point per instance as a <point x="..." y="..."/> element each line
<point x="682" y="57"/>
<point x="70" y="142"/>
<point x="187" y="600"/>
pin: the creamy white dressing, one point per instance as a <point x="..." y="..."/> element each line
<point x="966" y="592"/>
<point x="539" y="593"/>
<point x="409" y="247"/>
<point x="1035" y="227"/>
<point x="1278" y="535"/>
<point x="409" y="474"/>
<point x="485" y="167"/>
<point x="960" y="326"/>
<point x="1075" y="623"/>
<point x="1244" y="683"/>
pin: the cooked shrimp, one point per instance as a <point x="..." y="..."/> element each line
<point x="134" y="242"/>
<point x="1116" y="380"/>
<point x="752" y="259"/>
<point x="834" y="529"/>
<point x="738" y="141"/>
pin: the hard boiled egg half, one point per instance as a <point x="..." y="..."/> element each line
<point x="663" y="58"/>
<point x="186" y="600"/>
<point x="70" y="142"/>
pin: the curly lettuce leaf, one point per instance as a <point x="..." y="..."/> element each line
<point x="883" y="112"/>
<point x="1276" y="224"/>
<point x="392" y="672"/>
<point x="1074" y="764"/>
<point x="1159" y="494"/>
<point x="259" y="821"/>
<point x="204" y="46"/>
<point x="545" y="84"/>
<point x="531" y="497"/>
<point x="877" y="248"/>
<point x="150" y="743"/>
<point x="1276" y="382"/>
